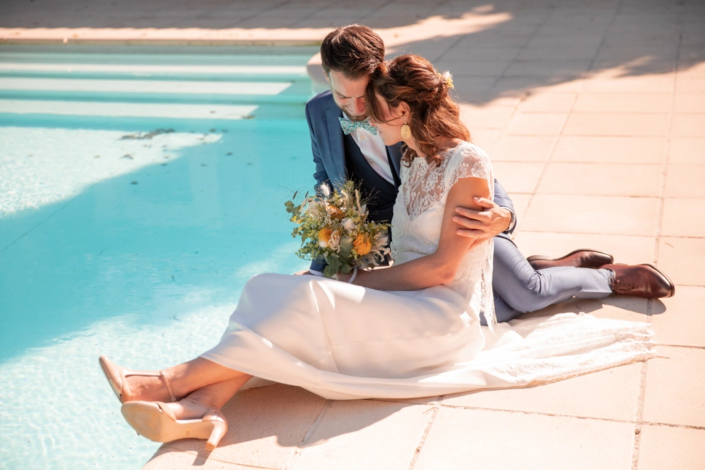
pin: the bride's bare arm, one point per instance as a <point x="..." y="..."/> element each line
<point x="440" y="267"/>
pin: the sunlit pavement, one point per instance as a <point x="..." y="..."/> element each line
<point x="594" y="115"/>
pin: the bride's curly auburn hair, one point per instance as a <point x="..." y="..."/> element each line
<point x="434" y="115"/>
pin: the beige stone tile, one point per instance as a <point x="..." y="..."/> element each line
<point x="687" y="151"/>
<point x="663" y="447"/>
<point x="496" y="440"/>
<point x="498" y="100"/>
<point x="684" y="218"/>
<point x="601" y="180"/>
<point x="266" y="426"/>
<point x="631" y="84"/>
<point x="365" y="434"/>
<point x="616" y="307"/>
<point x="688" y="125"/>
<point x="461" y="68"/>
<point x="514" y="148"/>
<point x="536" y="124"/>
<point x="466" y="86"/>
<point x="623" y="124"/>
<point x="683" y="260"/>
<point x="675" y="387"/>
<point x="578" y="149"/>
<point x="623" y="103"/>
<point x="484" y="138"/>
<point x="625" y="249"/>
<point x="168" y="458"/>
<point x="685" y="181"/>
<point x="683" y="323"/>
<point x="548" y="103"/>
<point x="638" y="49"/>
<point x="494" y="117"/>
<point x="685" y="84"/>
<point x="481" y="53"/>
<point x="517" y="177"/>
<point x="592" y="214"/>
<point x="693" y="68"/>
<point x="521" y="203"/>
<point x="558" y="52"/>
<point x="689" y="103"/>
<point x="546" y="68"/>
<point x="573" y="397"/>
<point x="538" y="85"/>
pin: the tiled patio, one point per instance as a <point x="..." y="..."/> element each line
<point x="594" y="114"/>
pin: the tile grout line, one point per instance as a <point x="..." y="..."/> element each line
<point x="297" y="454"/>
<point x="641" y="400"/>
<point x="440" y="405"/>
<point x="683" y="346"/>
<point x="173" y="448"/>
<point x="547" y="15"/>
<point x="434" y="413"/>
<point x="455" y="43"/>
<point x="557" y="137"/>
<point x="522" y="97"/>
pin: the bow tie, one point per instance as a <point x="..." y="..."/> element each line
<point x="352" y="126"/>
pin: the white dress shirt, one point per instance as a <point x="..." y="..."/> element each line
<point x="373" y="149"/>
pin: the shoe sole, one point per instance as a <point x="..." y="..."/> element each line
<point x="546" y="258"/>
<point x="151" y="422"/>
<point x="666" y="278"/>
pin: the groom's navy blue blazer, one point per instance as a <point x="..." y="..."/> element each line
<point x="328" y="148"/>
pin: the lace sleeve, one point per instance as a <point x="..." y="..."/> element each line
<point x="470" y="160"/>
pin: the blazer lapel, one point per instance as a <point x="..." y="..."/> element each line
<point x="337" y="149"/>
<point x="395" y="157"/>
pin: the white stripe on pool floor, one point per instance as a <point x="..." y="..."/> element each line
<point x="264" y="70"/>
<point x="144" y="86"/>
<point x="159" y="110"/>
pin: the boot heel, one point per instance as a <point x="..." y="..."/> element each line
<point x="219" y="430"/>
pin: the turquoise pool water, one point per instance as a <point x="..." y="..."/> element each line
<point x="139" y="189"/>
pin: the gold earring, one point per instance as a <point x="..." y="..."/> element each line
<point x="405" y="131"/>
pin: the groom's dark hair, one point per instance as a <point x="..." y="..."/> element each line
<point x="353" y="50"/>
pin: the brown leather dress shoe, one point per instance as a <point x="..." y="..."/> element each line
<point x="583" y="258"/>
<point x="642" y="280"/>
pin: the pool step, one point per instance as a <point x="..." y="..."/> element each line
<point x="285" y="92"/>
<point x="178" y="85"/>
<point x="78" y="70"/>
<point x="149" y="110"/>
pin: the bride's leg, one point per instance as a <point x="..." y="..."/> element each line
<point x="215" y="396"/>
<point x="183" y="379"/>
<point x="199" y="373"/>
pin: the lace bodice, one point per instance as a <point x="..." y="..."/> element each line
<point x="418" y="216"/>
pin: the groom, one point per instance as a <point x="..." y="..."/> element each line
<point x="344" y="146"/>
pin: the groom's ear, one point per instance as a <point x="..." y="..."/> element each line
<point x="327" y="76"/>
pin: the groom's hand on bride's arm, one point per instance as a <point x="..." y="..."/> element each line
<point x="483" y="224"/>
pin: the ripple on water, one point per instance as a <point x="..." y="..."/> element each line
<point x="58" y="412"/>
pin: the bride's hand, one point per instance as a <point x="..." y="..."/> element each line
<point x="343" y="277"/>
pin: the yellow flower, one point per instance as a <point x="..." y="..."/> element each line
<point x="362" y="245"/>
<point x="324" y="234"/>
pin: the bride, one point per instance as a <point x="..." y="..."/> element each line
<point x="411" y="330"/>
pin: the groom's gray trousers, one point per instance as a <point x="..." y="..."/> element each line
<point x="519" y="288"/>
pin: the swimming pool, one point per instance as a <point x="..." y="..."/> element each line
<point x="139" y="189"/>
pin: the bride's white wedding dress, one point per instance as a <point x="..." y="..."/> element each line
<point x="343" y="341"/>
